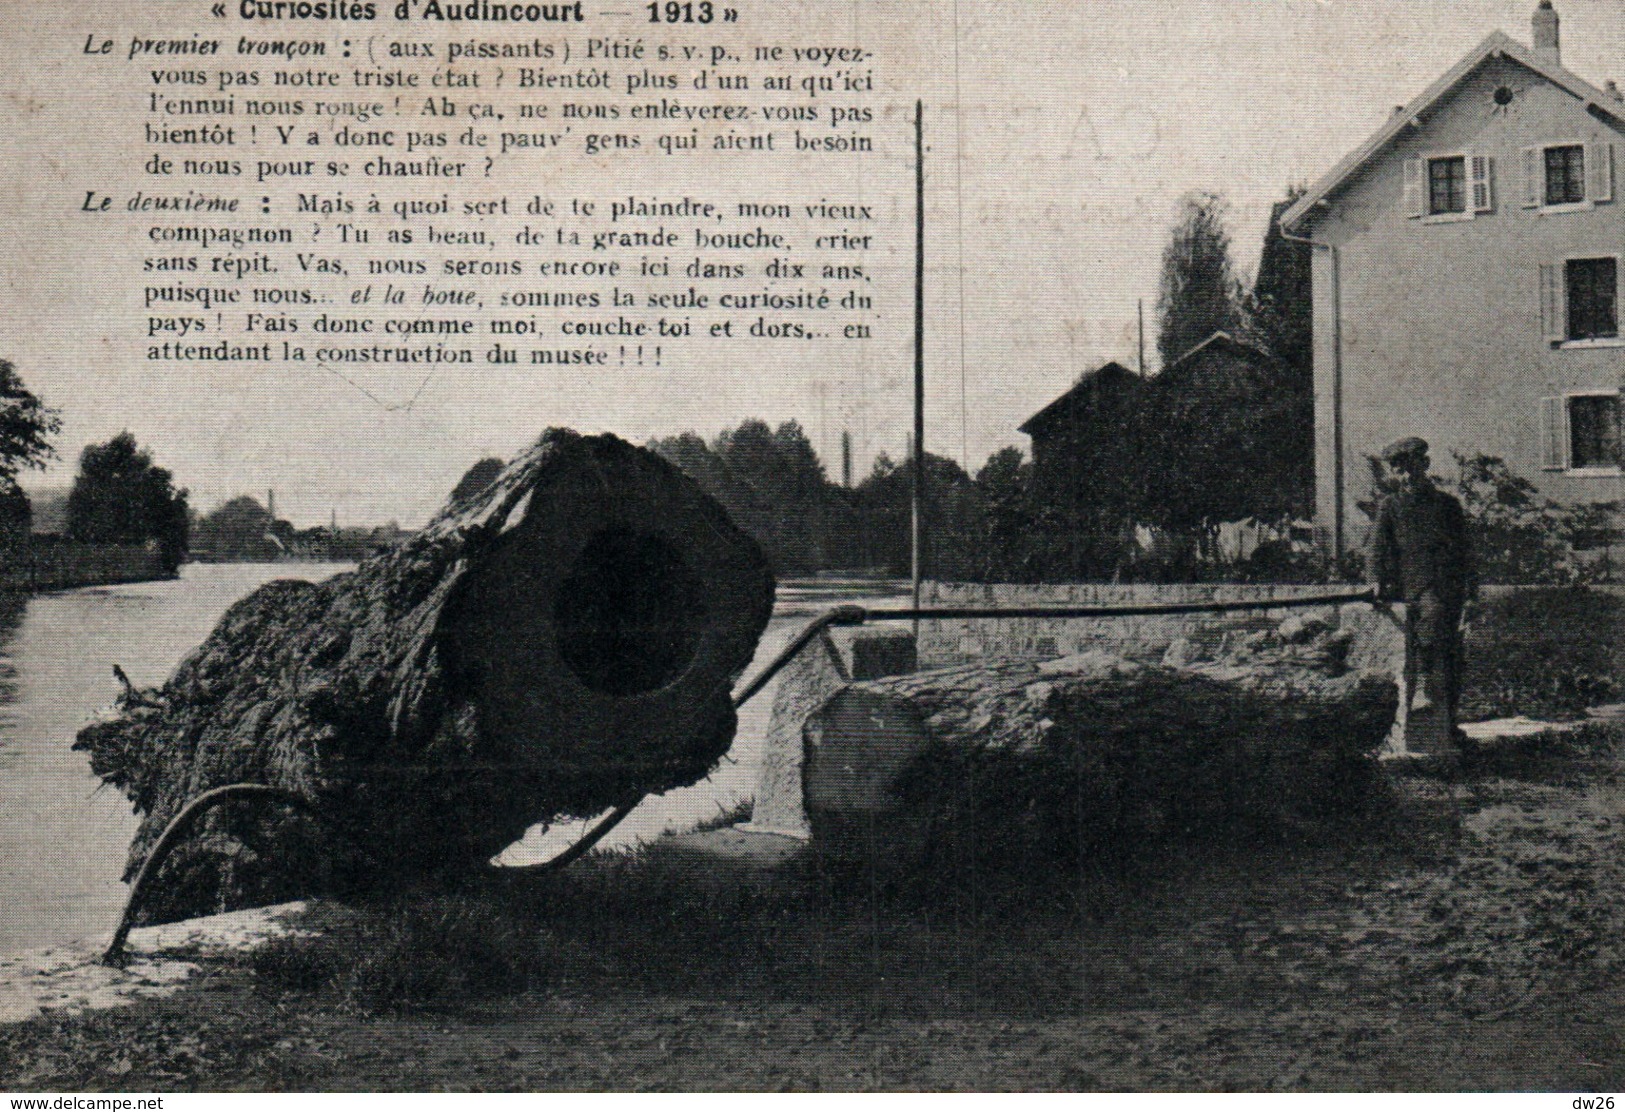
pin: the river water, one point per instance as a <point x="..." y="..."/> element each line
<point x="63" y="836"/>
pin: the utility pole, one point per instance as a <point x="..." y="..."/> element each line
<point x="918" y="501"/>
<point x="1139" y="307"/>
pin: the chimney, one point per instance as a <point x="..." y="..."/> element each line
<point x="1545" y="30"/>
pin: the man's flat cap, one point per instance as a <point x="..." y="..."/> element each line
<point x="1399" y="449"/>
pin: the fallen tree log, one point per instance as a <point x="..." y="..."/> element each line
<point x="1034" y="763"/>
<point x="558" y="642"/>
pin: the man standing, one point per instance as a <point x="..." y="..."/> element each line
<point x="1423" y="558"/>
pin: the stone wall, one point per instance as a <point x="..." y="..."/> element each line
<point x="1138" y="637"/>
<point x="1378" y="635"/>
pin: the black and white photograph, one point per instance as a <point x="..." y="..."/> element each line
<point x="861" y="546"/>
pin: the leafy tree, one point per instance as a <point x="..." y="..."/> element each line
<point x="1005" y="475"/>
<point x="1282" y="323"/>
<point x="1200" y="294"/>
<point x="773" y="485"/>
<point x="803" y="470"/>
<point x="26" y="425"/>
<point x="689" y="452"/>
<point x="1281" y="308"/>
<point x="237" y="530"/>
<point x="952" y="525"/>
<point x="1037" y="532"/>
<point x="747" y="449"/>
<point x="16" y="516"/>
<point x="1010" y="540"/>
<point x="1518" y="537"/>
<point x="789" y="494"/>
<point x="1226" y="439"/>
<point x="121" y="497"/>
<point x="884" y="465"/>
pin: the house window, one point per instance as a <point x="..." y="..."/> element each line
<point x="1594" y="432"/>
<point x="1447" y="185"/>
<point x="1568" y="177"/>
<point x="1565" y="175"/>
<point x="1582" y="432"/>
<point x="1592" y="288"/>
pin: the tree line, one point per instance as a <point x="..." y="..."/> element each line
<point x="119" y="495"/>
<point x="1149" y="474"/>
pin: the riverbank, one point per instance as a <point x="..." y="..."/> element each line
<point x="64" y="837"/>
<point x="1470" y="936"/>
<point x="53" y="564"/>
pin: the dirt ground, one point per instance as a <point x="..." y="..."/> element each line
<point x="1470" y="941"/>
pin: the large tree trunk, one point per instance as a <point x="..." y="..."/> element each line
<point x="561" y="641"/>
<point x="1033" y="762"/>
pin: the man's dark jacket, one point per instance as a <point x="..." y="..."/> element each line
<point x="1422" y="545"/>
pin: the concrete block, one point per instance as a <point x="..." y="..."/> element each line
<point x="870" y="654"/>
<point x="835" y="659"/>
<point x="816" y="673"/>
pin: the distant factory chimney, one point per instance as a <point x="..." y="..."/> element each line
<point x="1545" y="25"/>
<point x="846" y="458"/>
<point x="270" y="503"/>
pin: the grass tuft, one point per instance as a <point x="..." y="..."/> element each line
<point x="728" y="816"/>
<point x="414" y="953"/>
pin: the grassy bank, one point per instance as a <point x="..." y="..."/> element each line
<point x="1547" y="652"/>
<point x="1468" y="938"/>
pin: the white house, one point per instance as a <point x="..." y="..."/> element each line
<point x="1467" y="281"/>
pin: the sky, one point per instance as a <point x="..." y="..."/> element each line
<point x="1060" y="140"/>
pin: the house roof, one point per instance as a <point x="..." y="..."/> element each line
<point x="1219" y="341"/>
<point x="1107" y="377"/>
<point x="1496" y="45"/>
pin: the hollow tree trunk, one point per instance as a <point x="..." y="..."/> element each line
<point x="562" y="641"/>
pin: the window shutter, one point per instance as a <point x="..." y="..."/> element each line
<point x="1554" y="316"/>
<point x="1413" y="187"/>
<point x="1534" y="176"/>
<point x="1600" y="172"/>
<point x="1554" y="435"/>
<point x="1481" y="167"/>
<point x="1619" y="431"/>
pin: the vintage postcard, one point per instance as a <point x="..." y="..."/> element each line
<point x="865" y="545"/>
